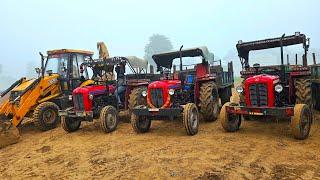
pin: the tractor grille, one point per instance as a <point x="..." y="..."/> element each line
<point x="78" y="102"/>
<point x="156" y="97"/>
<point x="258" y="94"/>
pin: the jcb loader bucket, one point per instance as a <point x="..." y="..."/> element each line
<point x="9" y="134"/>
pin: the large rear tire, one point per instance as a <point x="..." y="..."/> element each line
<point x="209" y="101"/>
<point x="301" y="121"/>
<point x="191" y="119"/>
<point x="109" y="119"/>
<point x="140" y="124"/>
<point x="46" y="116"/>
<point x="136" y="98"/>
<point x="70" y="124"/>
<point x="303" y="91"/>
<point x="229" y="122"/>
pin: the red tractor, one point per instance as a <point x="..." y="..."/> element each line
<point x="190" y="93"/>
<point x="274" y="91"/>
<point x="100" y="100"/>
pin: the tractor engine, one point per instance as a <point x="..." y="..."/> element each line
<point x="160" y="93"/>
<point x="261" y="91"/>
<point x="93" y="98"/>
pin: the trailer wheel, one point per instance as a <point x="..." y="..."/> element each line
<point x="136" y="98"/>
<point x="301" y="121"/>
<point x="46" y="116"/>
<point x="70" y="124"/>
<point x="209" y="101"/>
<point x="303" y="91"/>
<point x="229" y="122"/>
<point x="140" y="124"/>
<point x="109" y="119"/>
<point x="191" y="119"/>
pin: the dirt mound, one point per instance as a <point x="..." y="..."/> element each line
<point x="8" y="134"/>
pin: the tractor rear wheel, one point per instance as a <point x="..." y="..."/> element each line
<point x="191" y="119"/>
<point x="303" y="91"/>
<point x="209" y="101"/>
<point x="140" y="124"/>
<point x="70" y="124"/>
<point x="301" y="121"/>
<point x="109" y="119"/>
<point x="46" y="116"/>
<point x="136" y="98"/>
<point x="229" y="122"/>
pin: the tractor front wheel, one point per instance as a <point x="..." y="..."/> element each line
<point x="109" y="119"/>
<point x="229" y="122"/>
<point x="140" y="124"/>
<point x="209" y="101"/>
<point x="191" y="119"/>
<point x="70" y="124"/>
<point x="301" y="121"/>
<point x="46" y="116"/>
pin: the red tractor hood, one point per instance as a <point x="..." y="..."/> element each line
<point x="158" y="92"/>
<point x="167" y="84"/>
<point x="82" y="94"/>
<point x="263" y="78"/>
<point x="94" y="89"/>
<point x="266" y="83"/>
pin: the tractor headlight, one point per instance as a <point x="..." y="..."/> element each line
<point x="278" y="88"/>
<point x="91" y="96"/>
<point x="239" y="89"/>
<point x="144" y="93"/>
<point x="171" y="92"/>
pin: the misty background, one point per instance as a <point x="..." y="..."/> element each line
<point x="143" y="27"/>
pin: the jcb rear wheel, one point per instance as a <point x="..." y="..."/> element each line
<point x="46" y="116"/>
<point x="70" y="124"/>
<point x="191" y="119"/>
<point x="209" y="101"/>
<point x="109" y="119"/>
<point x="301" y="121"/>
<point x="229" y="122"/>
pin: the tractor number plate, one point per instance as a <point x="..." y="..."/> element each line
<point x="256" y="113"/>
<point x="154" y="109"/>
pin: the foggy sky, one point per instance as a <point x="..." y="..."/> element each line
<point x="28" y="27"/>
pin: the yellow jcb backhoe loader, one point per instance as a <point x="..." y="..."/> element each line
<point x="41" y="98"/>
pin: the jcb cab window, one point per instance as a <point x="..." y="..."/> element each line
<point x="57" y="63"/>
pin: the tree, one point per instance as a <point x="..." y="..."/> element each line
<point x="157" y="43"/>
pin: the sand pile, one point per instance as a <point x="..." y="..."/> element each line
<point x="8" y="134"/>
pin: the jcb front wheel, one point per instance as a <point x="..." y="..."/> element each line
<point x="301" y="121"/>
<point x="109" y="119"/>
<point x="46" y="116"/>
<point x="70" y="124"/>
<point x="229" y="122"/>
<point x="191" y="119"/>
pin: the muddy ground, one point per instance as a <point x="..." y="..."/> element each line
<point x="260" y="150"/>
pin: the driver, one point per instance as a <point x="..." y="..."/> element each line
<point x="120" y="70"/>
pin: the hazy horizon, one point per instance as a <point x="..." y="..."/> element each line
<point x="28" y="27"/>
